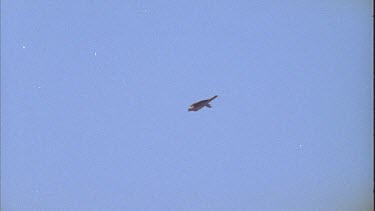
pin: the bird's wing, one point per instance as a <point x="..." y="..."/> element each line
<point x="212" y="98"/>
<point x="201" y="102"/>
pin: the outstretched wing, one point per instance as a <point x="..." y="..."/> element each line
<point x="212" y="98"/>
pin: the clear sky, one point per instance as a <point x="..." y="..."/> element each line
<point x="95" y="97"/>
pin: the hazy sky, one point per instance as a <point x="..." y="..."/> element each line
<point x="95" y="97"/>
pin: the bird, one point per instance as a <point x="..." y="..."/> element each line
<point x="198" y="105"/>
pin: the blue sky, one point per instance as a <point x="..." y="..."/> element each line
<point x="95" y="96"/>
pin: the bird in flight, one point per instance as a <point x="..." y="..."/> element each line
<point x="198" y="105"/>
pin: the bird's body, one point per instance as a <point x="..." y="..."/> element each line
<point x="198" y="105"/>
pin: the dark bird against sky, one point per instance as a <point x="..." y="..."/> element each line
<point x="198" y="105"/>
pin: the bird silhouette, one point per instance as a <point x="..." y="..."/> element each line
<point x="198" y="105"/>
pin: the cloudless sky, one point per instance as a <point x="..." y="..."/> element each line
<point x="94" y="98"/>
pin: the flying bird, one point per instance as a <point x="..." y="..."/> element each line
<point x="198" y="105"/>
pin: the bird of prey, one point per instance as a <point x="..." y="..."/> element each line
<point x="198" y="105"/>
